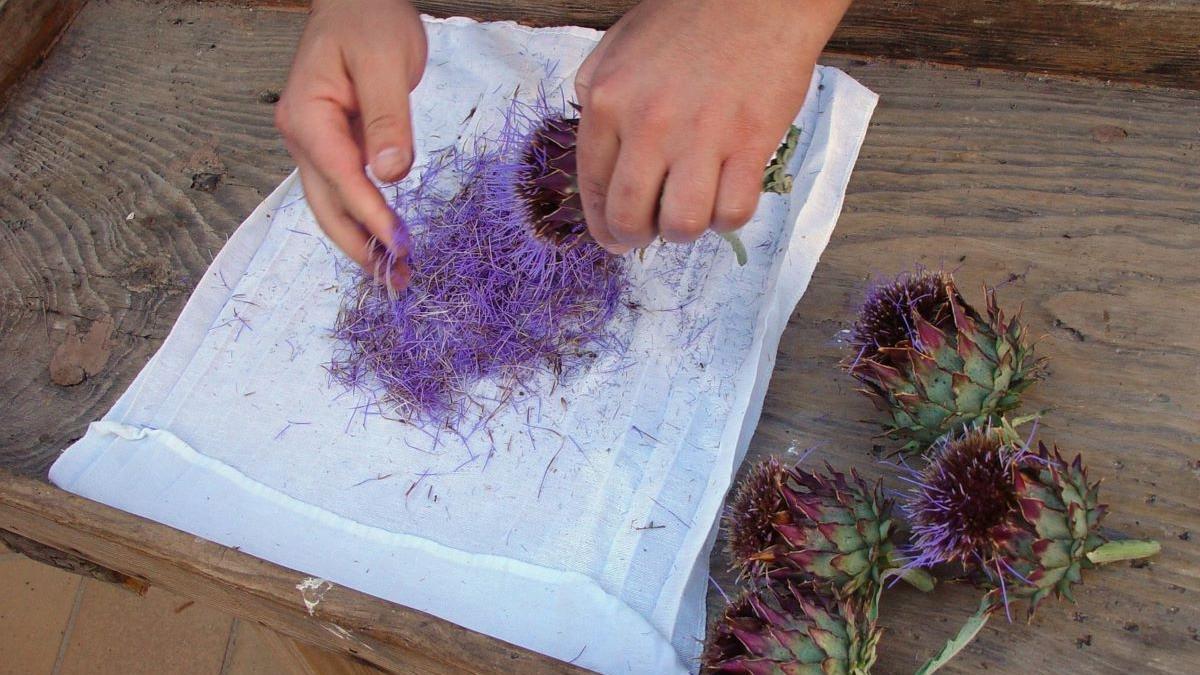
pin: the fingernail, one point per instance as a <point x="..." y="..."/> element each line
<point x="391" y="163"/>
<point x="390" y="267"/>
<point x="399" y="276"/>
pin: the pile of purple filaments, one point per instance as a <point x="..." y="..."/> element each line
<point x="488" y="300"/>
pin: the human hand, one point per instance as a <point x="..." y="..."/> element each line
<point x="684" y="102"/>
<point x="346" y="106"/>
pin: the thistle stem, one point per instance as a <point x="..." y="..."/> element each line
<point x="1125" y="549"/>
<point x="963" y="638"/>
<point x="739" y="249"/>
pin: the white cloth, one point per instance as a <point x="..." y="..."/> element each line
<point x="578" y="522"/>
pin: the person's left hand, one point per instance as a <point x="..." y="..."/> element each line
<point x="683" y="103"/>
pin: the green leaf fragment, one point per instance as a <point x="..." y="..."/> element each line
<point x="914" y="576"/>
<point x="776" y="179"/>
<point x="963" y="638"/>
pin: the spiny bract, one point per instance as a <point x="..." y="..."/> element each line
<point x="549" y="184"/>
<point x="933" y="363"/>
<point x="789" y="628"/>
<point x="791" y="523"/>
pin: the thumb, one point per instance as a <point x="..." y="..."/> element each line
<point x="387" y="126"/>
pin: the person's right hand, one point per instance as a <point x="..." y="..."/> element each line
<point x="346" y="106"/>
<point x="683" y="103"/>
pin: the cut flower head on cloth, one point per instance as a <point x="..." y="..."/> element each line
<point x="505" y="283"/>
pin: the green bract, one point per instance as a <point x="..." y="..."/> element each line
<point x="789" y="628"/>
<point x="790" y="523"/>
<point x="933" y="363"/>
<point x="1063" y="512"/>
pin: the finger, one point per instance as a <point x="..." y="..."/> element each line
<point x="595" y="153"/>
<point x="359" y="136"/>
<point x="738" y="191"/>
<point x="631" y="207"/>
<point x="386" y="123"/>
<point x="585" y="74"/>
<point x="323" y="136"/>
<point x="341" y="229"/>
<point x="686" y="210"/>
<point x="349" y="236"/>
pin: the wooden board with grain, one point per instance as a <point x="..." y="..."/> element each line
<point x="1147" y="41"/>
<point x="315" y="611"/>
<point x="146" y="138"/>
<point x="28" y="30"/>
<point x="1083" y="204"/>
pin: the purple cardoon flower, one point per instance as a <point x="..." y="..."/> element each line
<point x="964" y="506"/>
<point x="1024" y="523"/>
<point x="751" y="513"/>
<point x="886" y="319"/>
<point x="495" y="292"/>
<point x="933" y="363"/>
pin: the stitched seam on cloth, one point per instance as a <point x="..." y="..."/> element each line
<point x="709" y="511"/>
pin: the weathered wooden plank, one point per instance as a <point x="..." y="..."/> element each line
<point x="1150" y="42"/>
<point x="1085" y="192"/>
<point x="387" y="635"/>
<point x="300" y="658"/>
<point x="28" y="29"/>
<point x="53" y="557"/>
<point x="138" y="101"/>
<point x="1146" y="41"/>
<point x="1081" y="203"/>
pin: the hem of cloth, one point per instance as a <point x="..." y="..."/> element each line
<point x="580" y="31"/>
<point x="605" y="634"/>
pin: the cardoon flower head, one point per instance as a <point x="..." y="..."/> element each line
<point x="785" y="627"/>
<point x="828" y="527"/>
<point x="1026" y="523"/>
<point x="503" y="285"/>
<point x="933" y="363"/>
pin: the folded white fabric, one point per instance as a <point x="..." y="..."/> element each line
<point x="580" y="524"/>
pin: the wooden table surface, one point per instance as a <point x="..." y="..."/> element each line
<point x="146" y="137"/>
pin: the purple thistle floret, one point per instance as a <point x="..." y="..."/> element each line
<point x="964" y="500"/>
<point x="885" y="319"/>
<point x="966" y="505"/>
<point x="488" y="298"/>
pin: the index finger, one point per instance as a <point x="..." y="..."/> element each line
<point x="323" y="135"/>
<point x="596" y="151"/>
